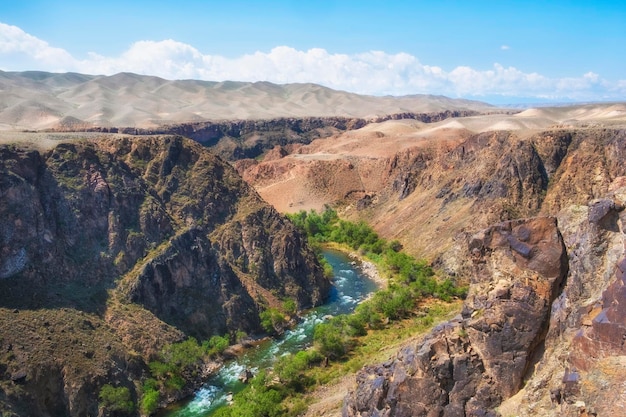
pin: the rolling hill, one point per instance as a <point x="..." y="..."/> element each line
<point x="41" y="100"/>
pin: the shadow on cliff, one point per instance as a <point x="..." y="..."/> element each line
<point x="66" y="234"/>
<point x="48" y="260"/>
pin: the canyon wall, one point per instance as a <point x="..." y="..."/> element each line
<point x="111" y="249"/>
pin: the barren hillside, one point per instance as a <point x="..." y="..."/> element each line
<point x="40" y="100"/>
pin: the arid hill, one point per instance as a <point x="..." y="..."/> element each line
<point x="40" y="100"/>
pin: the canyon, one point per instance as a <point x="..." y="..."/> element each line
<point x="112" y="249"/>
<point x="112" y="242"/>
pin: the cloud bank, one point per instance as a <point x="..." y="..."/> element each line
<point x="373" y="72"/>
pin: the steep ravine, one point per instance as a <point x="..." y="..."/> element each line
<point x="111" y="249"/>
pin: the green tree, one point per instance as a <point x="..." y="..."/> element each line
<point x="330" y="339"/>
<point x="150" y="398"/>
<point x="272" y="320"/>
<point x="216" y="345"/>
<point x="290" y="307"/>
<point x="116" y="399"/>
<point x="259" y="399"/>
<point x="291" y="369"/>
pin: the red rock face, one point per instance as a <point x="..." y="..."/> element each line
<point x="469" y="365"/>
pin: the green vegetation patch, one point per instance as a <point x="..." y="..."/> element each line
<point x="116" y="399"/>
<point x="178" y="364"/>
<point x="408" y="276"/>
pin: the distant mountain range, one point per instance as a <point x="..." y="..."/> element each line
<point x="41" y="100"/>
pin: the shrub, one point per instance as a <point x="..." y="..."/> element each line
<point x="149" y="399"/>
<point x="330" y="339"/>
<point x="368" y="314"/>
<point x="290" y="369"/>
<point x="272" y="320"/>
<point x="116" y="399"/>
<point x="216" y="345"/>
<point x="240" y="335"/>
<point x="183" y="354"/>
<point x="290" y="307"/>
<point x="180" y="360"/>
<point x="258" y="399"/>
<point x="159" y="369"/>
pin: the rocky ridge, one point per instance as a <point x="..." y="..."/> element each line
<point x="239" y="139"/>
<point x="112" y="248"/>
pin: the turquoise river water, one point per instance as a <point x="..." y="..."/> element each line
<point x="350" y="287"/>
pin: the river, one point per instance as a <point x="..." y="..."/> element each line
<point x="350" y="287"/>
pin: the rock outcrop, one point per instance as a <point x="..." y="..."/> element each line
<point x="469" y="365"/>
<point x="111" y="249"/>
<point x="581" y="371"/>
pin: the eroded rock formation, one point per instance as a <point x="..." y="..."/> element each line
<point x="469" y="365"/>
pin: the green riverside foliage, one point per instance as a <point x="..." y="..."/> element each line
<point x="272" y="320"/>
<point x="290" y="307"/>
<point x="178" y="364"/>
<point x="410" y="280"/>
<point x="291" y="369"/>
<point x="404" y="269"/>
<point x="150" y="398"/>
<point x="116" y="399"/>
<point x="260" y="399"/>
<point x="265" y="395"/>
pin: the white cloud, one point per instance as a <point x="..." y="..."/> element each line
<point x="505" y="47"/>
<point x="373" y="72"/>
<point x="15" y="43"/>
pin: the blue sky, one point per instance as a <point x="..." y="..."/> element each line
<point x="499" y="51"/>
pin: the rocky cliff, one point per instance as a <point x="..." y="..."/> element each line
<point x="110" y="249"/>
<point x="469" y="365"/>
<point x="542" y="331"/>
<point x="238" y="139"/>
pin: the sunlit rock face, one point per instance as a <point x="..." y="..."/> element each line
<point x="470" y="364"/>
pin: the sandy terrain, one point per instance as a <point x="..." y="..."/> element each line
<point x="44" y="140"/>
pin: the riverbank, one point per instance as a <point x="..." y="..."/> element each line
<point x="370" y="270"/>
<point x="378" y="346"/>
<point x="351" y="286"/>
<point x="367" y="268"/>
